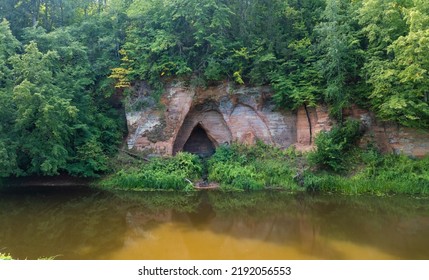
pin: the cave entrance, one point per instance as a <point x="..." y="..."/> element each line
<point x="199" y="143"/>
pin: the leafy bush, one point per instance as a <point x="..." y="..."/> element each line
<point x="312" y="182"/>
<point x="377" y="175"/>
<point x="252" y="167"/>
<point x="332" y="146"/>
<point x="276" y="173"/>
<point x="396" y="173"/>
<point x="185" y="163"/>
<point x="235" y="176"/>
<point x="174" y="173"/>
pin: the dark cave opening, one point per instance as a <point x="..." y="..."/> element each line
<point x="199" y="143"/>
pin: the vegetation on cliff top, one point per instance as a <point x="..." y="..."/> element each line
<point x="370" y="52"/>
<point x="63" y="63"/>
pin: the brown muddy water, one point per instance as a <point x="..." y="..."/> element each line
<point x="81" y="223"/>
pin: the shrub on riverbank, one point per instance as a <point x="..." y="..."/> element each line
<point x="242" y="167"/>
<point x="334" y="144"/>
<point x="173" y="173"/>
<point x="341" y="167"/>
<point x="234" y="167"/>
<point x="373" y="173"/>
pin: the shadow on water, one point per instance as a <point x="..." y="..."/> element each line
<point x="83" y="223"/>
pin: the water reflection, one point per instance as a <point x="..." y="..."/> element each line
<point x="88" y="224"/>
<point x="66" y="224"/>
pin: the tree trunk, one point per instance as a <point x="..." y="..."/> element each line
<point x="35" y="9"/>
<point x="47" y="25"/>
<point x="61" y="13"/>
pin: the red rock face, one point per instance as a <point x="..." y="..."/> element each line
<point x="154" y="129"/>
<point x="310" y="122"/>
<point x="247" y="125"/>
<point x="245" y="115"/>
<point x="390" y="137"/>
<point x="211" y="121"/>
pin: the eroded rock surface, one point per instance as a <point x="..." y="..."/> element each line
<point x="244" y="115"/>
<point x="390" y="137"/>
<point x="197" y="120"/>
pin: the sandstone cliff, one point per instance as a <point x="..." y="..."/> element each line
<point x="198" y="120"/>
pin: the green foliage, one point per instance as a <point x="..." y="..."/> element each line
<point x="54" y="115"/>
<point x="377" y="175"/>
<point x="333" y="145"/>
<point x="396" y="64"/>
<point x="313" y="182"/>
<point x="44" y="118"/>
<point x="173" y="173"/>
<point x="241" y="167"/>
<point x="236" y="176"/>
<point x="301" y="85"/>
<point x="399" y="172"/>
<point x="59" y="61"/>
<point x="5" y="257"/>
<point x="51" y="14"/>
<point x="213" y="39"/>
<point x="370" y="52"/>
<point x="89" y="160"/>
<point x="8" y="47"/>
<point x="339" y="49"/>
<point x="8" y="164"/>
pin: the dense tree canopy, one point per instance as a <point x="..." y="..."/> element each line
<point x="62" y="60"/>
<point x="370" y="52"/>
<point x="55" y="112"/>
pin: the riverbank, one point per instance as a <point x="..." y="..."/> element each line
<point x="240" y="167"/>
<point x="259" y="167"/>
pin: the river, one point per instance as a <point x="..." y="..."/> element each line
<point x="83" y="223"/>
